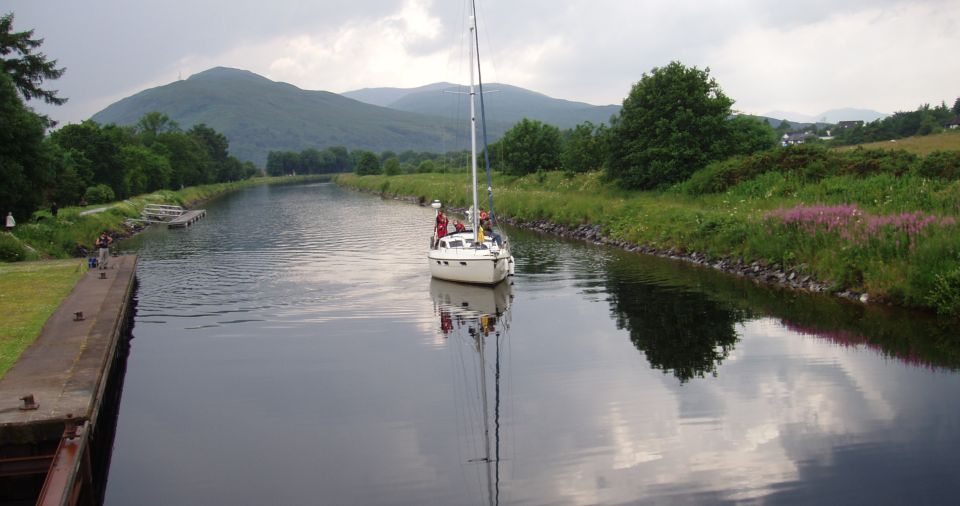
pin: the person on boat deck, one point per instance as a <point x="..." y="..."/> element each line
<point x="487" y="224"/>
<point x="440" y="229"/>
<point x="457" y="226"/>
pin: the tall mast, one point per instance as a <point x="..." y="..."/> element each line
<point x="483" y="124"/>
<point x="474" y="216"/>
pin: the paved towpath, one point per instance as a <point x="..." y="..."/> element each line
<point x="65" y="368"/>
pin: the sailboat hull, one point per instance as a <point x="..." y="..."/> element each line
<point x="469" y="269"/>
<point x="484" y="266"/>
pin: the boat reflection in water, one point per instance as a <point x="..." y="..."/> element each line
<point x="475" y="320"/>
<point x="474" y="307"/>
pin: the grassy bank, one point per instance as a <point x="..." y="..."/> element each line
<point x="919" y="145"/>
<point x="894" y="237"/>
<point x="48" y="237"/>
<point x="29" y="293"/>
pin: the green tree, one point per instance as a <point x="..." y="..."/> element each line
<point x="214" y="142"/>
<point x="427" y="166"/>
<point x="783" y="127"/>
<point x="747" y="136"/>
<point x="583" y="148"/>
<point x="26" y="68"/>
<point x="956" y="107"/>
<point x="25" y="167"/>
<point x="928" y="125"/>
<point x="282" y="163"/>
<point x="311" y="161"/>
<point x="409" y="156"/>
<point x="188" y="159"/>
<point x="99" y="194"/>
<point x="216" y="145"/>
<point x="391" y="167"/>
<point x="367" y="163"/>
<point x="101" y="147"/>
<point x="249" y="170"/>
<point x="528" y="147"/>
<point x="144" y="170"/>
<point x="342" y="161"/>
<point x="73" y="174"/>
<point x="672" y="124"/>
<point x="230" y="170"/>
<point x="155" y="123"/>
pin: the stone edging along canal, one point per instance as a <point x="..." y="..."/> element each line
<point x="757" y="271"/>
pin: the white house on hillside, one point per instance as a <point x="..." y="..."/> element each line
<point x="794" y="138"/>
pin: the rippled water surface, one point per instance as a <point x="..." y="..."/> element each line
<point x="291" y="348"/>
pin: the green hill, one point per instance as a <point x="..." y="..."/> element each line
<point x="258" y="115"/>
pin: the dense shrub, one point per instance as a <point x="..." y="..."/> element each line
<point x="809" y="161"/>
<point x="714" y="178"/>
<point x="426" y="166"/>
<point x="865" y="162"/>
<point x="99" y="194"/>
<point x="391" y="166"/>
<point x="11" y="250"/>
<point x="811" y="164"/>
<point x="940" y="165"/>
<point x="945" y="295"/>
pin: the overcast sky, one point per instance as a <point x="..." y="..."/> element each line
<point x="807" y="57"/>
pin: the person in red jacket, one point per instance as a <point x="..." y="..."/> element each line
<point x="440" y="228"/>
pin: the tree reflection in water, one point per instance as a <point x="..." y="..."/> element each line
<point x="680" y="330"/>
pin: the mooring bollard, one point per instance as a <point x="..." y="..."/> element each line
<point x="28" y="403"/>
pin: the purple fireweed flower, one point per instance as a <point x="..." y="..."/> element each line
<point x="853" y="225"/>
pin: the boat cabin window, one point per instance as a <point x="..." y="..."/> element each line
<point x="456" y="244"/>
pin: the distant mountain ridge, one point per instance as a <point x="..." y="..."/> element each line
<point x="386" y="96"/>
<point x="258" y="115"/>
<point x="503" y="103"/>
<point x="833" y="116"/>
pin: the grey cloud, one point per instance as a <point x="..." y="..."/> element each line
<point x="113" y="47"/>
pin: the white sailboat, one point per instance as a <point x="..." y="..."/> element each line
<point x="470" y="255"/>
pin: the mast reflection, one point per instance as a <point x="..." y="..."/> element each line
<point x="479" y="317"/>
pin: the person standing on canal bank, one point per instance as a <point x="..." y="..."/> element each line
<point x="10" y="222"/>
<point x="103" y="247"/>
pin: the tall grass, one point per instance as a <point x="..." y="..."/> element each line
<point x="920" y="145"/>
<point x="904" y="249"/>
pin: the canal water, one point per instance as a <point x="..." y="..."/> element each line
<point x="291" y="348"/>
